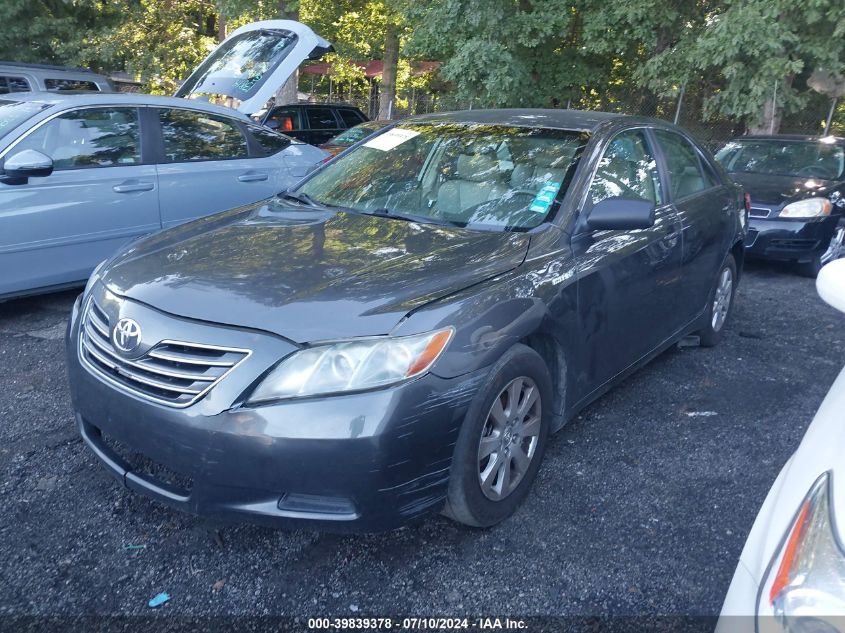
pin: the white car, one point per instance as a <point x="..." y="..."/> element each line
<point x="791" y="574"/>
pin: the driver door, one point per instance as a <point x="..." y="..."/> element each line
<point x="628" y="280"/>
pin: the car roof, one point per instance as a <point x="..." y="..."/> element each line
<point x="786" y="137"/>
<point x="583" y="120"/>
<point x="72" y="98"/>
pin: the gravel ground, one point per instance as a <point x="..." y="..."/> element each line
<point x="642" y="507"/>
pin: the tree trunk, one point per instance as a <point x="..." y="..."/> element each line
<point x="772" y="114"/>
<point x="387" y="91"/>
<point x="288" y="92"/>
<point x="221" y="28"/>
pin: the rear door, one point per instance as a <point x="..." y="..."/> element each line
<point x="204" y="166"/>
<point x="628" y="280"/>
<point x="102" y="193"/>
<point x="247" y="68"/>
<point x="705" y="207"/>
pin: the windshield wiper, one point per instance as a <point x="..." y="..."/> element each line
<point x="411" y="217"/>
<point x="301" y="197"/>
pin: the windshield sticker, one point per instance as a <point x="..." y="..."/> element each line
<point x="544" y="198"/>
<point x="390" y="139"/>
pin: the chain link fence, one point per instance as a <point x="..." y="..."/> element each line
<point x="686" y="108"/>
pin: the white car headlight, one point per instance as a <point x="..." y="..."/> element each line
<point x="809" y="208"/>
<point x="805" y="586"/>
<point x="353" y="365"/>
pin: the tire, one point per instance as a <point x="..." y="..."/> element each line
<point x="712" y="333"/>
<point x="469" y="502"/>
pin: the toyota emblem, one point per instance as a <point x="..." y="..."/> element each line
<point x="126" y="335"/>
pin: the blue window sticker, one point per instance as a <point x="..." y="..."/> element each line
<point x="545" y="197"/>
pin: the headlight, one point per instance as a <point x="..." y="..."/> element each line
<point x="805" y="587"/>
<point x="809" y="208"/>
<point x="352" y="365"/>
<point x="93" y="278"/>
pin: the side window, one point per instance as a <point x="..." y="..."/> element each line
<point x="321" y="119"/>
<point x="350" y="118"/>
<point x="70" y="84"/>
<point x="286" y="119"/>
<point x="192" y="135"/>
<point x="13" y="84"/>
<point x="270" y="142"/>
<point x="91" y="137"/>
<point x="627" y="170"/>
<point x="683" y="165"/>
<point x="711" y="178"/>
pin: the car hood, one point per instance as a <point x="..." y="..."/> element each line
<point x="776" y="190"/>
<point x="307" y="274"/>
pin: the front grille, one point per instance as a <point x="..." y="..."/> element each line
<point x="759" y="212"/>
<point x="174" y="373"/>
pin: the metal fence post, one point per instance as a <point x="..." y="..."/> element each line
<point x="680" y="101"/>
<point x="830" y="116"/>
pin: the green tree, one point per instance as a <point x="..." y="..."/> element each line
<point x="756" y="55"/>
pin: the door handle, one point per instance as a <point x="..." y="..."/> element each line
<point x="130" y="186"/>
<point x="252" y="177"/>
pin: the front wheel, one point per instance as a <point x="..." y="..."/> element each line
<point x="502" y="440"/>
<point x="721" y="303"/>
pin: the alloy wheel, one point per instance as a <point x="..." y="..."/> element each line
<point x="722" y="300"/>
<point x="509" y="438"/>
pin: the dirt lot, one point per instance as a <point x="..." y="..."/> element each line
<point x="642" y="506"/>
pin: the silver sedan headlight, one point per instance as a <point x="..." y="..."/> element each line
<point x="809" y="208"/>
<point x="353" y="365"/>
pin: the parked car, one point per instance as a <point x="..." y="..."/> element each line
<point x="791" y="574"/>
<point x="313" y="123"/>
<point x="82" y="174"/>
<point x="337" y="144"/>
<point x="797" y="189"/>
<point x="401" y="332"/>
<point x="19" y="77"/>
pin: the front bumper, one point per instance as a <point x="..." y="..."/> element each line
<point x="359" y="462"/>
<point x="790" y="240"/>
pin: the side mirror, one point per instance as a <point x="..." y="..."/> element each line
<point x="621" y="214"/>
<point x="26" y="164"/>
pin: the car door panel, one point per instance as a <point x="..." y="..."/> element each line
<point x="704" y="207"/>
<point x="206" y="167"/>
<point x="627" y="280"/>
<point x="57" y="228"/>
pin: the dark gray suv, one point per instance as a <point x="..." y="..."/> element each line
<point x="401" y="332"/>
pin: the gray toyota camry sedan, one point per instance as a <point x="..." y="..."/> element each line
<point x="401" y="332"/>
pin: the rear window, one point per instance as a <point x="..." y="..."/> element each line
<point x="240" y="66"/>
<point x="70" y="84"/>
<point x="13" y="84"/>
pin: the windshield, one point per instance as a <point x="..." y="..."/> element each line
<point x="14" y="112"/>
<point x="479" y="176"/>
<point x="811" y="159"/>
<point x="239" y="67"/>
